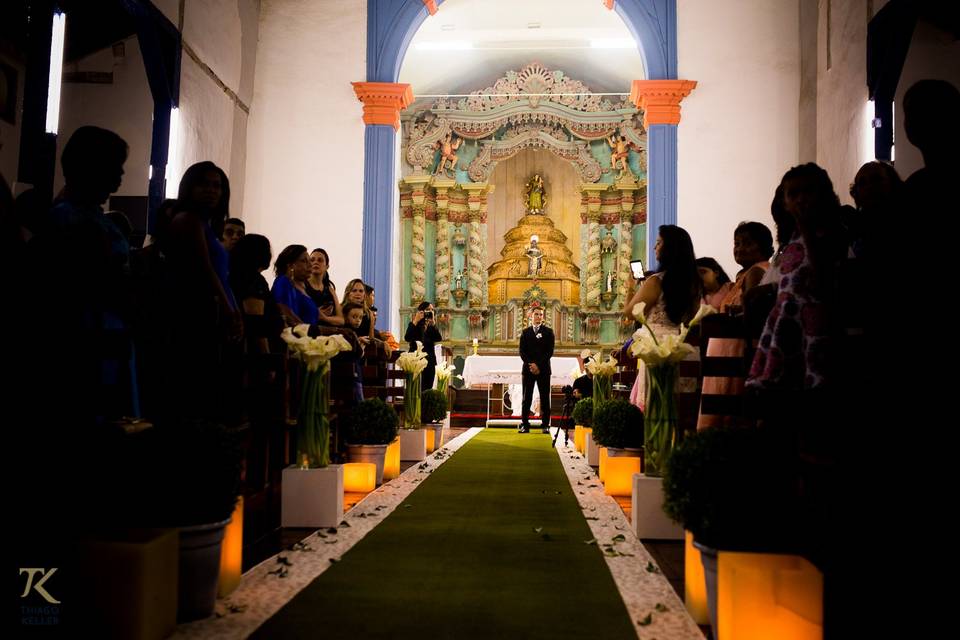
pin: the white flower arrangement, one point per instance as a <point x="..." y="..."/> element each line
<point x="667" y="348"/>
<point x="445" y="371"/>
<point x="413" y="362"/>
<point x="602" y="368"/>
<point x="315" y="352"/>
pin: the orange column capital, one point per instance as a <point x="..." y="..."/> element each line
<point x="660" y="99"/>
<point x="383" y="101"/>
<point x="431" y="6"/>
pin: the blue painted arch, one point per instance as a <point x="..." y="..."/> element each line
<point x="391" y="25"/>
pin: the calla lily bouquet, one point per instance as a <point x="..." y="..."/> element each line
<point x="413" y="362"/>
<point x="444" y="375"/>
<point x="313" y="424"/>
<point x="667" y="348"/>
<point x="604" y="368"/>
<point x="314" y="352"/>
<point x="661" y="355"/>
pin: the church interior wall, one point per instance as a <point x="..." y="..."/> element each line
<point x="304" y="168"/>
<point x="123" y="105"/>
<point x="507" y="203"/>
<point x="217" y="72"/>
<point x="739" y="127"/>
<point x="844" y="134"/>
<point x="929" y="49"/>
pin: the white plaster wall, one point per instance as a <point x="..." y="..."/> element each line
<point x="212" y="29"/>
<point x="206" y="119"/>
<point x="222" y="34"/>
<point x="933" y="54"/>
<point x="10" y="133"/>
<point x="304" y="169"/>
<point x="739" y="127"/>
<point x="845" y="139"/>
<point x="125" y="106"/>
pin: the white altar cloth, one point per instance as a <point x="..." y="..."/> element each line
<point x="507" y="370"/>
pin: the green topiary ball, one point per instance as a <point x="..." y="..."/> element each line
<point x="619" y="424"/>
<point x="583" y="412"/>
<point x="433" y="406"/>
<point x="373" y="422"/>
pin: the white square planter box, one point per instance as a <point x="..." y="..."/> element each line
<point x="649" y="520"/>
<point x="413" y="444"/>
<point x="593" y="451"/>
<point x="312" y="497"/>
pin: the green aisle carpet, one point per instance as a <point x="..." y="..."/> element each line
<point x="491" y="546"/>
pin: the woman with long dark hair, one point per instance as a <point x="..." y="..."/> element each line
<point x="203" y="374"/>
<point x="322" y="290"/>
<point x="672" y="296"/>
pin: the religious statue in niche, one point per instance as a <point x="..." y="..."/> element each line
<point x="610" y="282"/>
<point x="536" y="195"/>
<point x="535" y="255"/>
<point x="609" y="243"/>
<point x="618" y="157"/>
<point x="458" y="279"/>
<point x="448" y="147"/>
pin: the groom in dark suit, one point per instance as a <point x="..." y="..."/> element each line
<point x="536" y="349"/>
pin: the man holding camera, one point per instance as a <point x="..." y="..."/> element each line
<point x="422" y="328"/>
<point x="536" y="349"/>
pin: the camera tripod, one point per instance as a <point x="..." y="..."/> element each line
<point x="564" y="420"/>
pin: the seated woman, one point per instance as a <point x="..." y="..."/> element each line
<point x="292" y="269"/>
<point x="356" y="293"/>
<point x="752" y="248"/>
<point x="322" y="291"/>
<point x="716" y="282"/>
<point x="262" y="319"/>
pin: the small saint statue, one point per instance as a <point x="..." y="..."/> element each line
<point x="535" y="255"/>
<point x="536" y="195"/>
<point x="458" y="279"/>
<point x="609" y="281"/>
<point x="619" y="153"/>
<point x="448" y="147"/>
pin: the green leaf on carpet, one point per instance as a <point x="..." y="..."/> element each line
<point x="652" y="568"/>
<point x="619" y="537"/>
<point x="646" y="621"/>
<point x="591" y="541"/>
<point x="661" y="607"/>
<point x="332" y="530"/>
<point x="537" y="529"/>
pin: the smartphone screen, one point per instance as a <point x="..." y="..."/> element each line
<point x="637" y="267"/>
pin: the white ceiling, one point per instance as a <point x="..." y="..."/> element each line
<point x="502" y="39"/>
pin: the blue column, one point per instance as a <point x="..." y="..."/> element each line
<point x="661" y="182"/>
<point x="379" y="194"/>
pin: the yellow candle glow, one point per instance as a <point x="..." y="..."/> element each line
<point x="619" y="476"/>
<point x="603" y="463"/>
<point x="694" y="584"/>
<point x="764" y="595"/>
<point x="391" y="463"/>
<point x="231" y="553"/>
<point x="359" y="477"/>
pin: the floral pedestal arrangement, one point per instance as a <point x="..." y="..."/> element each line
<point x="312" y="491"/>
<point x="661" y="355"/>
